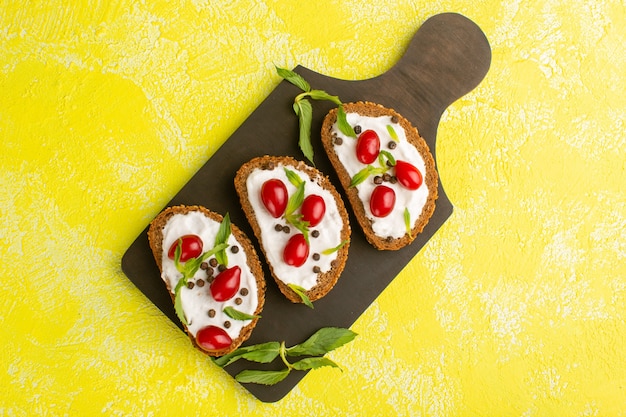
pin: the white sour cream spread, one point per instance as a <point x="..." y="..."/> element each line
<point x="274" y="241"/>
<point x="392" y="225"/>
<point x="198" y="301"/>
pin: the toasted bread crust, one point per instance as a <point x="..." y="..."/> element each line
<point x="325" y="281"/>
<point x="430" y="177"/>
<point x="155" y="239"/>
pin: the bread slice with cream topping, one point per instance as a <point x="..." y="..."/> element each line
<point x="391" y="182"/>
<point x="221" y="294"/>
<point x="305" y="245"/>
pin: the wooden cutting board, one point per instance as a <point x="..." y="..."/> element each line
<point x="448" y="56"/>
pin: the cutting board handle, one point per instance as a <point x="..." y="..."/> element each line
<point x="450" y="54"/>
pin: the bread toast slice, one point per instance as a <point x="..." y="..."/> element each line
<point x="399" y="140"/>
<point x="205" y="319"/>
<point x="328" y="241"/>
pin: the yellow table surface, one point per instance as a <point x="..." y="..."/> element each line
<point x="516" y="307"/>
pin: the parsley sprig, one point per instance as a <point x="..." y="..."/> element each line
<point x="189" y="268"/>
<point x="311" y="352"/>
<point x="304" y="110"/>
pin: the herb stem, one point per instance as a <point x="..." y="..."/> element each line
<point x="282" y="351"/>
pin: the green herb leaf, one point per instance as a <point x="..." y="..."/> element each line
<point x="224" y="231"/>
<point x="293" y="204"/>
<point x="407" y="221"/>
<point x="296" y="200"/>
<point x="342" y="122"/>
<point x="305" y="115"/>
<point x="177" y="251"/>
<point x="302" y="294"/>
<point x="302" y="225"/>
<point x="178" y="305"/>
<point x="293" y="177"/>
<point x="222" y="237"/>
<point x="385" y="156"/>
<point x="360" y="176"/>
<point x="323" y="95"/>
<point x="322" y="342"/>
<point x="261" y="377"/>
<point x="178" y="308"/>
<point x="188" y="270"/>
<point x="261" y="353"/>
<point x="303" y="109"/>
<point x="313" y="363"/>
<point x="363" y="174"/>
<point x="191" y="266"/>
<point x="238" y="315"/>
<point x="294" y="78"/>
<point x="335" y="249"/>
<point x="392" y="133"/>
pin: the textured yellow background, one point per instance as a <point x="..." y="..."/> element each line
<point x="516" y="307"/>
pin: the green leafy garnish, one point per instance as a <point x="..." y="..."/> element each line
<point x="323" y="341"/>
<point x="304" y="110"/>
<point x="323" y="95"/>
<point x="407" y="221"/>
<point x="392" y="133"/>
<point x="295" y="200"/>
<point x="294" y="203"/>
<point x="385" y="160"/>
<point x="313" y="363"/>
<point x="189" y="269"/>
<point x="342" y="123"/>
<point x="293" y="177"/>
<point x="178" y="305"/>
<point x="221" y="238"/>
<point x="363" y="174"/>
<point x="384" y="157"/>
<point x="294" y="78"/>
<point x="335" y="249"/>
<point x="313" y="349"/>
<point x="257" y="376"/>
<point x="238" y="315"/>
<point x="302" y="294"/>
<point x="261" y="353"/>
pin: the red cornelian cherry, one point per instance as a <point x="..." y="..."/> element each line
<point x="313" y="209"/>
<point x="382" y="201"/>
<point x="226" y="284"/>
<point x="296" y="251"/>
<point x="213" y="338"/>
<point x="408" y="175"/>
<point x="274" y="196"/>
<point x="368" y="147"/>
<point x="190" y="247"/>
